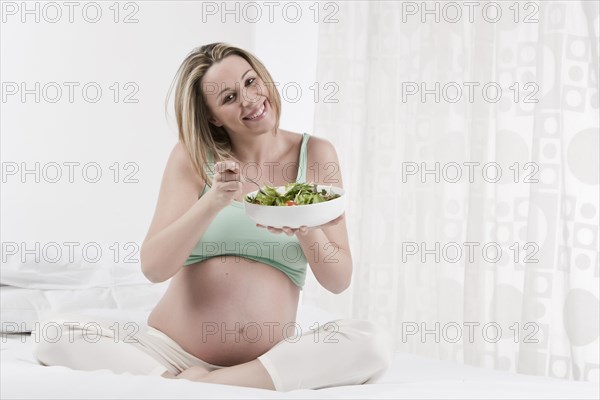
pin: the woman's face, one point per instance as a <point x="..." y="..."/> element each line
<point x="235" y="94"/>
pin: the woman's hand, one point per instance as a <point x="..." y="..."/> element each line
<point x="303" y="230"/>
<point x="195" y="373"/>
<point x="168" y="375"/>
<point x="226" y="184"/>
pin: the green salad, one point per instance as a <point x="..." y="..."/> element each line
<point x="296" y="194"/>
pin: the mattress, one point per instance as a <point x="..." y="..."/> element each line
<point x="410" y="376"/>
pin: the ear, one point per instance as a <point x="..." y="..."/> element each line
<point x="211" y="117"/>
<point x="215" y="122"/>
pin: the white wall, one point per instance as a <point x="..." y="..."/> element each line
<point x="147" y="54"/>
<point x="289" y="50"/>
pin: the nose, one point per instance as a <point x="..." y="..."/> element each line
<point x="250" y="96"/>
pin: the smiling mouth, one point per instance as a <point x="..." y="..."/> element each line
<point x="262" y="113"/>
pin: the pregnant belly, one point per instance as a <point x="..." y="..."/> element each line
<point x="227" y="310"/>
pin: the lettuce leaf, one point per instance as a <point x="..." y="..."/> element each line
<point x="300" y="193"/>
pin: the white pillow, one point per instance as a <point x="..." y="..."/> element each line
<point x="22" y="308"/>
<point x="69" y="274"/>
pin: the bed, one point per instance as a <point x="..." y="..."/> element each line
<point x="27" y="291"/>
<point x="410" y="376"/>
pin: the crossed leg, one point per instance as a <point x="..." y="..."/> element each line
<point x="359" y="353"/>
<point x="249" y="374"/>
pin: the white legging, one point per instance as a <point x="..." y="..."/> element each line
<point x="340" y="352"/>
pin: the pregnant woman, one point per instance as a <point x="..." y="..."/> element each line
<point x="229" y="313"/>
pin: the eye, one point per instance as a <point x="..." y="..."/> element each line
<point x="227" y="98"/>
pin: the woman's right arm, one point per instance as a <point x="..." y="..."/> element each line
<point x="180" y="218"/>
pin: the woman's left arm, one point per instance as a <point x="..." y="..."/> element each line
<point x="328" y="254"/>
<point x="325" y="246"/>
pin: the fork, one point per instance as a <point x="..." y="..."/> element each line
<point x="250" y="180"/>
<point x="259" y="188"/>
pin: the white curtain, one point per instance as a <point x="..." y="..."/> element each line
<point x="400" y="159"/>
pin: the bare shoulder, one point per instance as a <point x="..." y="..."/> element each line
<point x="182" y="167"/>
<point x="179" y="155"/>
<point x="179" y="190"/>
<point x="316" y="147"/>
<point x="320" y="149"/>
<point x="322" y="161"/>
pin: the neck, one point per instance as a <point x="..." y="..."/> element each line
<point x="257" y="149"/>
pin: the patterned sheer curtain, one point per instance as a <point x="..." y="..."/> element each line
<point x="473" y="205"/>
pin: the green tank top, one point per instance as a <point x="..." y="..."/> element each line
<point x="233" y="233"/>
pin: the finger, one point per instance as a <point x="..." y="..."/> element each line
<point x="229" y="176"/>
<point x="233" y="179"/>
<point x="220" y="166"/>
<point x="230" y="166"/>
<point x="168" y="375"/>
<point x="227" y="165"/>
<point x="232" y="186"/>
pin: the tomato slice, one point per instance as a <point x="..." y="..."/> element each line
<point x="290" y="203"/>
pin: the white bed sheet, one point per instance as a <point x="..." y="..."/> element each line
<point x="410" y="376"/>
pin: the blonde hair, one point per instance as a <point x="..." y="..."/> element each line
<point x="197" y="134"/>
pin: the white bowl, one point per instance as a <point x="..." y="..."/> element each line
<point x="296" y="216"/>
